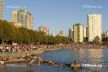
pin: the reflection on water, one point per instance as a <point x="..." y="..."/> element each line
<point x="95" y="55"/>
<point x="82" y="56"/>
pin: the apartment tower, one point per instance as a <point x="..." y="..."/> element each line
<point x="78" y="33"/>
<point x="23" y="17"/>
<point x="94" y="26"/>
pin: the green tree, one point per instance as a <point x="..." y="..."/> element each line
<point x="25" y="35"/>
<point x="10" y="33"/>
<point x="6" y="29"/>
<point x="96" y="40"/>
<point x="105" y="41"/>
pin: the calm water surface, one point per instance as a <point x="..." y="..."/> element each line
<point x="82" y="56"/>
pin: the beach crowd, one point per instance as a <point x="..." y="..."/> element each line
<point x="27" y="48"/>
<point x="30" y="47"/>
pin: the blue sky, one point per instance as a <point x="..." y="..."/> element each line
<point x="59" y="14"/>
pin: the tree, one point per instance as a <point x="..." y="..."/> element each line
<point x="105" y="41"/>
<point x="6" y="31"/>
<point x="9" y="33"/>
<point x="96" y="40"/>
<point x="25" y="35"/>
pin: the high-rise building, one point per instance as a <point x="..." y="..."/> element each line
<point x="29" y="20"/>
<point x="85" y="31"/>
<point x="14" y="20"/>
<point x="14" y="16"/>
<point x="44" y="29"/>
<point x="106" y="34"/>
<point x="78" y="33"/>
<point x="1" y="9"/>
<point x="23" y="17"/>
<point x="103" y="35"/>
<point x="71" y="34"/>
<point x="94" y="26"/>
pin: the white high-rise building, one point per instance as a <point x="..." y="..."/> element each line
<point x="85" y="31"/>
<point x="94" y="26"/>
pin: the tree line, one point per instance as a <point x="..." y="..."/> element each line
<point x="9" y="34"/>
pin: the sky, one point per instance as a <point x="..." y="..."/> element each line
<point x="59" y="14"/>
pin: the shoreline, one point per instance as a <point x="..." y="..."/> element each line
<point x="44" y="48"/>
<point x="36" y="52"/>
<point x="11" y="56"/>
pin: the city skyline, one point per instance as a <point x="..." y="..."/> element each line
<point x="57" y="15"/>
